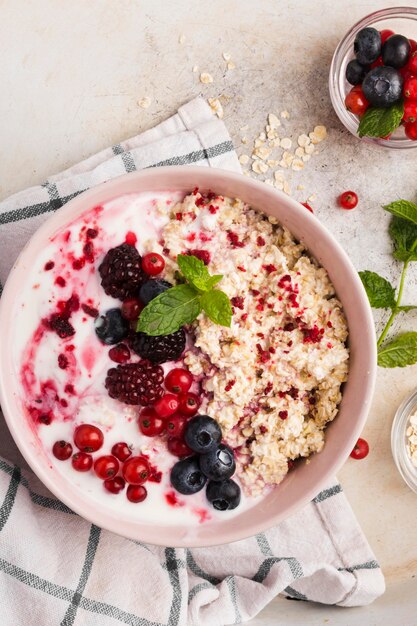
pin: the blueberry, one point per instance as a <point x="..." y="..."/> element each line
<point x="218" y="463"/>
<point x="111" y="327"/>
<point x="186" y="476"/>
<point x="223" y="496"/>
<point x="367" y="45"/>
<point x="395" y="51"/>
<point x="382" y="86"/>
<point x="152" y="288"/>
<point x="355" y="72"/>
<point x="202" y="433"/>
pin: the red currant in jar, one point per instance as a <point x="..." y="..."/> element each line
<point x="136" y="470"/>
<point x="413" y="45"/>
<point x="167" y="405"/>
<point x="348" y="200"/>
<point x="106" y="466"/>
<point x="62" y="450"/>
<point x="410" y="88"/>
<point x="410" y="111"/>
<point x="378" y="63"/>
<point x="385" y="33"/>
<point x="114" y="485"/>
<point x="361" y="449"/>
<point x="178" y="380"/>
<point x="150" y="423"/>
<point x="88" y="438"/>
<point x="136" y="493"/>
<point x="175" y="425"/>
<point x="412" y="63"/>
<point x="178" y="447"/>
<point x="189" y="403"/>
<point x="355" y="101"/>
<point x="119" y="353"/>
<point x="82" y="462"/>
<point x="121" y="451"/>
<point x="410" y="130"/>
<point x="131" y="309"/>
<point x="153" y="263"/>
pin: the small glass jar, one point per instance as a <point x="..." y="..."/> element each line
<point x="403" y="21"/>
<point x="399" y="441"/>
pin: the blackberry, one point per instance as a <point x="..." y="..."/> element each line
<point x="121" y="272"/>
<point x="135" y="383"/>
<point x="159" y="349"/>
<point x="61" y="325"/>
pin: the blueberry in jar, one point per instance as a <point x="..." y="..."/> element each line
<point x="202" y="433"/>
<point x="367" y="45"/>
<point x="395" y="51"/>
<point x="355" y="72"/>
<point x="218" y="463"/>
<point x="187" y="477"/>
<point x="152" y="288"/>
<point x="111" y="327"/>
<point x="224" y="495"/>
<point x="382" y="86"/>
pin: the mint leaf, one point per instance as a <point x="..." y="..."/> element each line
<point x="406" y="307"/>
<point x="213" y="280"/>
<point x="217" y="306"/>
<point x="377" y="122"/>
<point x="400" y="352"/>
<point x="169" y="311"/>
<point x="194" y="271"/>
<point x="403" y="208"/>
<point x="380" y="292"/>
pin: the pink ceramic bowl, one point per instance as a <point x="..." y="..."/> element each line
<point x="301" y="485"/>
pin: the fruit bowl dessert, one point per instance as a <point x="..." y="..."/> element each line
<point x="373" y="78"/>
<point x="177" y="356"/>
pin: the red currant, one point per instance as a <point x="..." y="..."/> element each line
<point x="378" y="63"/>
<point x="412" y="63"/>
<point x="136" y="493"/>
<point x="189" y="403"/>
<point x="106" y="466"/>
<point x="82" y="462"/>
<point x="348" y="200"/>
<point x="114" y="485"/>
<point x="150" y="423"/>
<point x="361" y="449"/>
<point x="88" y="438"/>
<point x="175" y="425"/>
<point x="121" y="451"/>
<point x="410" y="111"/>
<point x="131" y="309"/>
<point x="410" y="130"/>
<point x="355" y="101"/>
<point x="62" y="450"/>
<point x="385" y="33"/>
<point x="178" y="447"/>
<point x="119" y="353"/>
<point x="153" y="263"/>
<point x="308" y="207"/>
<point x="178" y="380"/>
<point x="167" y="405"/>
<point x="136" y="470"/>
<point x="413" y="45"/>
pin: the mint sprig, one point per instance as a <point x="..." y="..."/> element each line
<point x="402" y="350"/>
<point x="182" y="304"/>
<point x="378" y="122"/>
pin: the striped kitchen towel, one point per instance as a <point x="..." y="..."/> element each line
<point x="58" y="569"/>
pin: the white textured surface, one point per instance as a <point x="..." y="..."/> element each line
<point x="72" y="75"/>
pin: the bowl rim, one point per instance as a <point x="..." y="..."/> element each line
<point x="173" y="179"/>
<point x="348" y="119"/>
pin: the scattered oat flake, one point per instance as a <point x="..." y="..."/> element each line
<point x="303" y="140"/>
<point x="286" y="143"/>
<point x="244" y="140"/>
<point x="181" y="39"/>
<point x="258" y="143"/>
<point x="285" y="115"/>
<point x="300" y="187"/>
<point x="216" y="107"/>
<point x="311" y="198"/>
<point x="226" y="56"/>
<point x="309" y="148"/>
<point x="231" y="65"/>
<point x="273" y="121"/>
<point x="297" y="165"/>
<point x="306" y="157"/>
<point x="262" y="152"/>
<point x="287" y="189"/>
<point x="259" y="167"/>
<point x="195" y="68"/>
<point x="243" y="159"/>
<point x="279" y="176"/>
<point x="145" y="103"/>
<point x="206" y="78"/>
<point x="279" y="184"/>
<point x="269" y="181"/>
<point x="299" y="152"/>
<point x="272" y="163"/>
<point x="319" y="133"/>
<point x="274" y="143"/>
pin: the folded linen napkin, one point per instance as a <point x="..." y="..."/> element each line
<point x="56" y="568"/>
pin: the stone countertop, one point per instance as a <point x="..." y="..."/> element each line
<point x="72" y="75"/>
